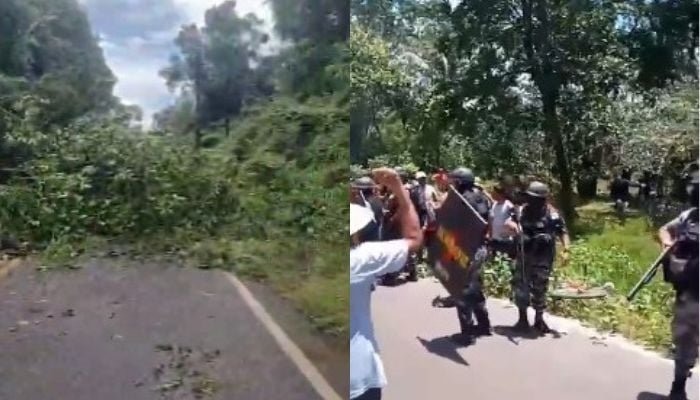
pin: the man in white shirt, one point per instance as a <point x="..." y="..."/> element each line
<point x="501" y="211"/>
<point x="368" y="260"/>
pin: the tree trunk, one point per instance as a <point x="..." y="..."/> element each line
<point x="227" y="123"/>
<point x="551" y="128"/>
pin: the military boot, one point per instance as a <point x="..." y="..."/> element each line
<point x="483" y="327"/>
<point x="678" y="390"/>
<point x="522" y="325"/>
<point x="540" y="325"/>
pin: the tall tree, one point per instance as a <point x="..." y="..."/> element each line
<point x="187" y="71"/>
<point x="48" y="51"/>
<point x="560" y="51"/>
<point x="233" y="45"/>
<point x="217" y="63"/>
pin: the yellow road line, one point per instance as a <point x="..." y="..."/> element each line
<point x="305" y="366"/>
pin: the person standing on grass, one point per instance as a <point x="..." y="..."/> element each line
<point x="368" y="260"/>
<point x="681" y="270"/>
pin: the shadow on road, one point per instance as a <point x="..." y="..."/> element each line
<point x="444" y="347"/>
<point x="651" y="396"/>
<point x="512" y="334"/>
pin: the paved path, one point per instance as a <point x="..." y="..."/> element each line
<point x="422" y="363"/>
<point x="154" y="331"/>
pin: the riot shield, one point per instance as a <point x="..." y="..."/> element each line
<point x="460" y="232"/>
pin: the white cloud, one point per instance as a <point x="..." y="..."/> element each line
<point x="195" y="9"/>
<point x="138" y="49"/>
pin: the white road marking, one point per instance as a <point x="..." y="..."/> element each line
<point x="292" y="351"/>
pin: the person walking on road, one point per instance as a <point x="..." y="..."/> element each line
<point x="368" y="260"/>
<point x="539" y="224"/>
<point x="681" y="270"/>
<point x="473" y="301"/>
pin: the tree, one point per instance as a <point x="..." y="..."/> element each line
<point x="217" y="65"/>
<point x="535" y="54"/>
<point x="374" y="83"/>
<point x="188" y="72"/>
<point x="314" y="21"/>
<point x="233" y="45"/>
<point x="47" y="49"/>
<point x="178" y="118"/>
<point x="662" y="36"/>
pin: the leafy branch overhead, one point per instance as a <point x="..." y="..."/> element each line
<point x="531" y="86"/>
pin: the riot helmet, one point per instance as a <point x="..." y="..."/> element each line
<point x="537" y="189"/>
<point x="536" y="194"/>
<point x="462" y="178"/>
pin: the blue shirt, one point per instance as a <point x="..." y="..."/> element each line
<point x="368" y="261"/>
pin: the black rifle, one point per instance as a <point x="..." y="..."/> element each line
<point x="649" y="274"/>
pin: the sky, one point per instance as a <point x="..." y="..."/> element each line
<point x="137" y="39"/>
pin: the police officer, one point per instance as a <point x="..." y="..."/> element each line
<point x="681" y="270"/>
<point x="539" y="225"/>
<point x="473" y="300"/>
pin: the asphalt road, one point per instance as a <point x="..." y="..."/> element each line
<point x="155" y="331"/>
<point x="421" y="361"/>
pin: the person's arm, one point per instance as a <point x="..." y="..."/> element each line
<point x="405" y="214"/>
<point x="512" y="226"/>
<point x="667" y="233"/>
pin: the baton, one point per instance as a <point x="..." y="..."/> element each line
<point x="648" y="275"/>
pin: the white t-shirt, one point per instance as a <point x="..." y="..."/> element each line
<point x="368" y="261"/>
<point x="500" y="212"/>
<point x="430" y="194"/>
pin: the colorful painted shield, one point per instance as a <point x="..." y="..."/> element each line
<point x="460" y="232"/>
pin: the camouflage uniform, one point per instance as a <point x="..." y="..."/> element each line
<point x="540" y="229"/>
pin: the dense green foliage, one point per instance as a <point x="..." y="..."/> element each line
<point x="533" y="87"/>
<point x="50" y="58"/>
<point x="91" y="180"/>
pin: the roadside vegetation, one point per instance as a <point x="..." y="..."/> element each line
<point x="245" y="172"/>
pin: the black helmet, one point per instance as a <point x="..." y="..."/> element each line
<point x="537" y="189"/>
<point x="461" y="174"/>
<point x="363" y="183"/>
<point x="403" y="174"/>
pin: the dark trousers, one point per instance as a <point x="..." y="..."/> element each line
<point x="473" y="302"/>
<point x="372" y="394"/>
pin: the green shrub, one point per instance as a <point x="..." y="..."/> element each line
<point x="105" y="182"/>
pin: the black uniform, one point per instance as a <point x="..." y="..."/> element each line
<point x="620" y="189"/>
<point x="541" y="226"/>
<point x="473" y="300"/>
<point x="681" y="270"/>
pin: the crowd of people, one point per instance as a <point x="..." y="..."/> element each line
<point x="393" y="219"/>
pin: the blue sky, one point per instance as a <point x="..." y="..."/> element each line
<point x="137" y="39"/>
